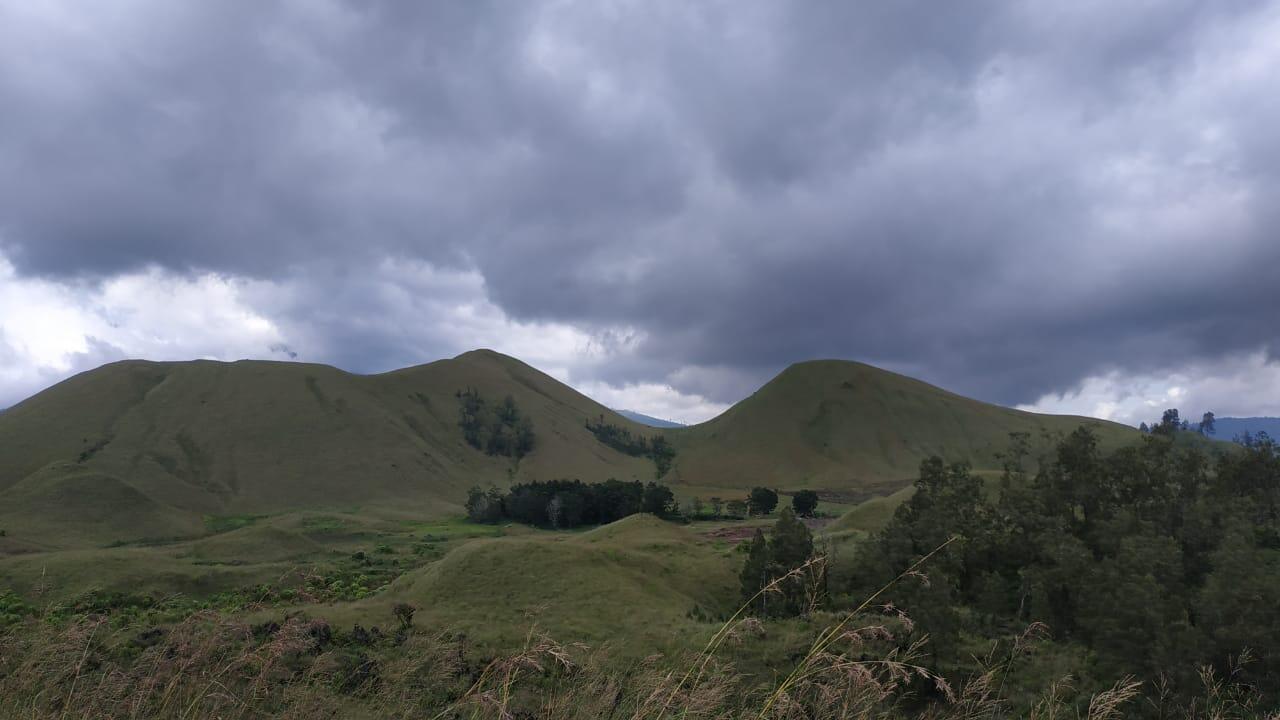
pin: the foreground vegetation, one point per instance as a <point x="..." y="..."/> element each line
<point x="1155" y="561"/>
<point x="1106" y="580"/>
<point x="906" y="627"/>
<point x="860" y="664"/>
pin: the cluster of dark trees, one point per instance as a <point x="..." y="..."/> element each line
<point x="1153" y="560"/>
<point x="496" y="429"/>
<point x="760" y="501"/>
<point x="1171" y="423"/>
<point x="655" y="448"/>
<point x="763" y="500"/>
<point x="784" y="560"/>
<point x="569" y="503"/>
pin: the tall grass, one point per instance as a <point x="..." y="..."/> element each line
<point x="215" y="666"/>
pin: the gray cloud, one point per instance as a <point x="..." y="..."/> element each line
<point x="1000" y="198"/>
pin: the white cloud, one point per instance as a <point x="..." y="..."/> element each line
<point x="50" y="330"/>
<point x="1240" y="386"/>
<point x="654" y="399"/>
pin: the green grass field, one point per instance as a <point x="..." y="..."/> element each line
<point x="199" y="480"/>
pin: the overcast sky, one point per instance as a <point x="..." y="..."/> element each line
<point x="1070" y="206"/>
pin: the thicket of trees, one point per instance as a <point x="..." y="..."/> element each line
<point x="569" y="503"/>
<point x="783" y="560"/>
<point x="1155" y="559"/>
<point x="655" y="448"/>
<point x="496" y="429"/>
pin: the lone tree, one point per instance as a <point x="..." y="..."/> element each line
<point x="805" y="503"/>
<point x="1170" y="423"/>
<point x="1207" y="424"/>
<point x="404" y="613"/>
<point x="762" y="501"/>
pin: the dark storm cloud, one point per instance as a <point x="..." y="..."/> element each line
<point x="999" y="197"/>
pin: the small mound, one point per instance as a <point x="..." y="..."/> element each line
<point x="641" y="528"/>
<point x="254" y="544"/>
<point x="870" y="516"/>
<point x="633" y="581"/>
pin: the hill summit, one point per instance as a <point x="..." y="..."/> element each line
<point x="848" y="426"/>
<point x="141" y="449"/>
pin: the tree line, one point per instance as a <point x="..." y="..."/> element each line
<point x="759" y="501"/>
<point x="619" y="438"/>
<point x="1154" y="560"/>
<point x="573" y="503"/>
<point x="564" y="504"/>
<point x="495" y="429"/>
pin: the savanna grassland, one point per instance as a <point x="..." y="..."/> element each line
<point x="280" y="540"/>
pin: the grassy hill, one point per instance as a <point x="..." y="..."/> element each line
<point x="846" y="426"/>
<point x="151" y="450"/>
<point x="143" y="451"/>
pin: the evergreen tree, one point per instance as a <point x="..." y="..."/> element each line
<point x="790" y="547"/>
<point x="756" y="574"/>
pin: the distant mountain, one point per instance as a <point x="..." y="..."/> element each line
<point x="648" y="419"/>
<point x="1227" y="428"/>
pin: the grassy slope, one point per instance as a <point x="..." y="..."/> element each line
<point x="146" y="450"/>
<point x="141" y="450"/>
<point x="848" y="426"/>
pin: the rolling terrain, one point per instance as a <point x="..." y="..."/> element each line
<point x="138" y="450"/>
<point x="143" y="451"/>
